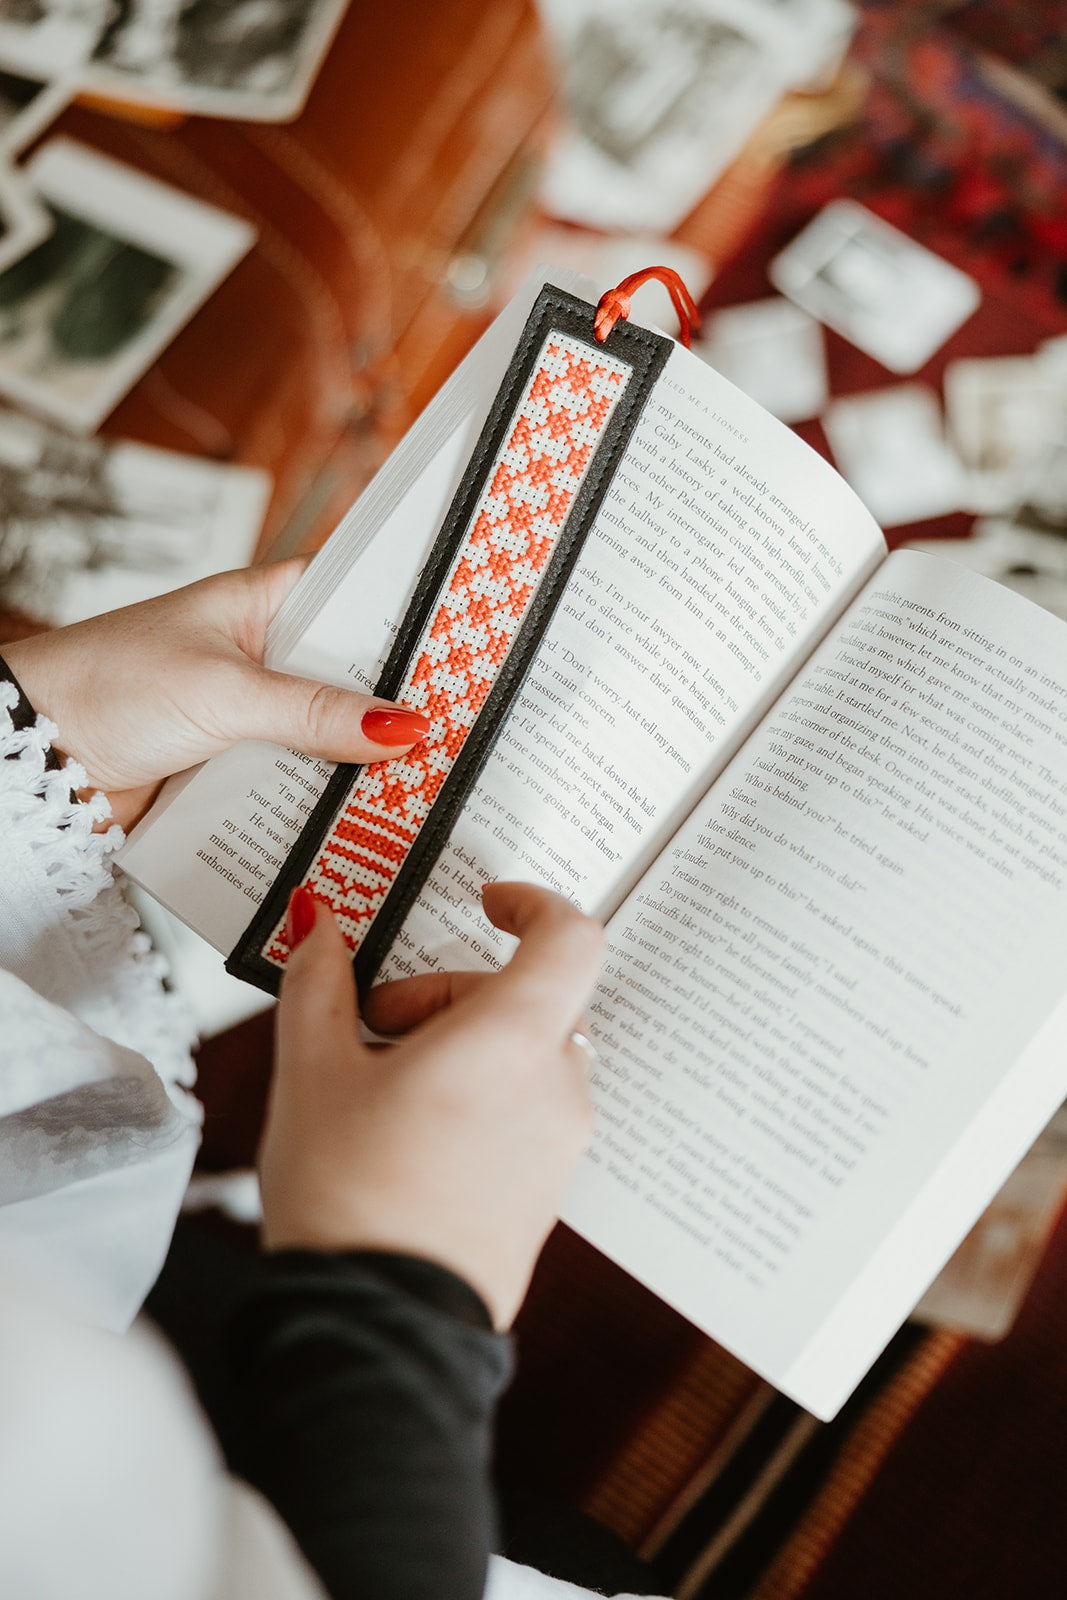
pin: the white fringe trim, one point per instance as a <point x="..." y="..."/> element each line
<point x="96" y="961"/>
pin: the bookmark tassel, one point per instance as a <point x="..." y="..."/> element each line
<point x="616" y="303"/>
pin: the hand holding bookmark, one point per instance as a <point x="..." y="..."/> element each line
<point x="155" y="688"/>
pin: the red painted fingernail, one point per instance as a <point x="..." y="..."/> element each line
<point x="300" y="916"/>
<point x="391" y="725"/>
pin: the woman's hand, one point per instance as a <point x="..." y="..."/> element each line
<point x="154" y="688"/>
<point x="455" y="1144"/>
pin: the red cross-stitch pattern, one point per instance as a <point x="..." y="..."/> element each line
<point x="528" y="495"/>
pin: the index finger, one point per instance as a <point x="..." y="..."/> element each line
<point x="560" y="953"/>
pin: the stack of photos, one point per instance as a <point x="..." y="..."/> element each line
<point x="252" y="59"/>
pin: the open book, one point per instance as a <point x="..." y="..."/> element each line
<point x="818" y="794"/>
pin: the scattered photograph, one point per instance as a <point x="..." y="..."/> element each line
<point x="87" y="525"/>
<point x="24" y="222"/>
<point x="126" y="264"/>
<point x="49" y="38"/>
<point x="774" y="352"/>
<point x="1006" y="415"/>
<point x="890" y="446"/>
<point x="628" y="87"/>
<point x="27" y="105"/>
<point x="254" y="59"/>
<point x="1051" y="355"/>
<point x="880" y="290"/>
<point x="661" y="94"/>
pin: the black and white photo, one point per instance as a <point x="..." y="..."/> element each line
<point x="88" y="525"/>
<point x="660" y="95"/>
<point x="253" y="59"/>
<point x="24" y="222"/>
<point x="1007" y="415"/>
<point x="883" y="291"/>
<point x="127" y="263"/>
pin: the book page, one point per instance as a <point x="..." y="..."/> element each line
<point x="703" y="583"/>
<point x="812" y="1001"/>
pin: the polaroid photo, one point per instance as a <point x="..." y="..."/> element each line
<point x="88" y="525"/>
<point x="24" y="222"/>
<point x="253" y="59"/>
<point x="774" y="352"/>
<point x="27" y="105"/>
<point x="890" y="446"/>
<point x="49" y="39"/>
<point x="660" y="95"/>
<point x="1005" y="414"/>
<point x="127" y="263"/>
<point x="887" y="295"/>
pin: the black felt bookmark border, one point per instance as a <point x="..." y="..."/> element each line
<point x="646" y="353"/>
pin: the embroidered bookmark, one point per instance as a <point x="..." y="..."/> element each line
<point x="557" y="430"/>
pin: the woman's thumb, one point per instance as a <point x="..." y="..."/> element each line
<point x="322" y="720"/>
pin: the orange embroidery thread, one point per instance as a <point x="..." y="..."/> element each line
<point x="616" y="302"/>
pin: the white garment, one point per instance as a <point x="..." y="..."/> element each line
<point x="97" y="1133"/>
<point x="111" y="1486"/>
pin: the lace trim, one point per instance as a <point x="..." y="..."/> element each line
<point x="90" y="954"/>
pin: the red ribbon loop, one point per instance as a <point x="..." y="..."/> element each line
<point x="616" y="303"/>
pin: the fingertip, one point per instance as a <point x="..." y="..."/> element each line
<point x="394" y="728"/>
<point x="299" y="915"/>
<point x="508" y="905"/>
<point x="254" y="595"/>
<point x="397" y="1006"/>
<point x="559" y="945"/>
<point x="512" y="907"/>
<point x="332" y="723"/>
<point x="312" y="934"/>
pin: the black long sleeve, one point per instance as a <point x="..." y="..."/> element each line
<point x="362" y="1389"/>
